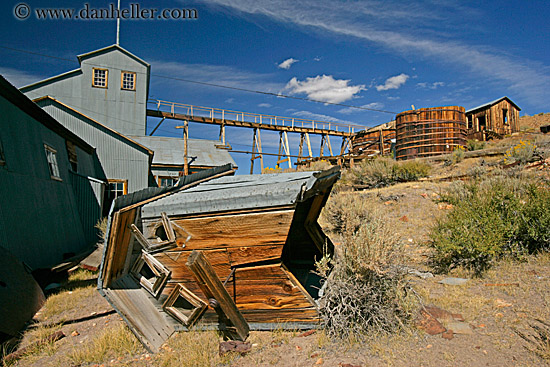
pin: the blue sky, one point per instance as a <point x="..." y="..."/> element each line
<point x="383" y="55"/>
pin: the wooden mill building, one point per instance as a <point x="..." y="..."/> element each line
<point x="493" y="119"/>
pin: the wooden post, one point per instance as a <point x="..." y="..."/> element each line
<point x="329" y="146"/>
<point x="288" y="150"/>
<point x="259" y="144"/>
<point x="322" y="145"/>
<point x="222" y="133"/>
<point x="253" y="152"/>
<point x="217" y="295"/>
<point x="309" y="146"/>
<point x="280" y="146"/>
<point x="185" y="147"/>
<point x="301" y="147"/>
<point x="381" y="142"/>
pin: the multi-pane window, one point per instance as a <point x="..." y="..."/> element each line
<point x="167" y="181"/>
<point x="100" y="78"/>
<point x="116" y="189"/>
<point x="52" y="162"/>
<point x="128" y="80"/>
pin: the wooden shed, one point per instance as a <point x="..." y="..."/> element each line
<point x="427" y="132"/>
<point x="493" y="120"/>
<point x="374" y="141"/>
<point x="259" y="233"/>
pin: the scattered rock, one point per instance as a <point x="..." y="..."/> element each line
<point x="449" y="334"/>
<point x="453" y="281"/>
<point x="500" y="303"/>
<point x="424" y="195"/>
<point x="460" y="328"/>
<point x="348" y="365"/>
<point x="234" y="346"/>
<point x="298" y="347"/>
<point x="404" y="218"/>
<point x="320" y="361"/>
<point x="419" y="274"/>
<point x="307" y="333"/>
<point x="429" y="324"/>
<point x="75" y="333"/>
<point x="442" y="314"/>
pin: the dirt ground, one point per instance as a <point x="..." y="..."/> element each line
<point x="488" y="313"/>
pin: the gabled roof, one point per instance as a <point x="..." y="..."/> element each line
<point x="169" y="151"/>
<point x="103" y="50"/>
<point x="489" y="104"/>
<point x="94" y="122"/>
<point x="17" y="98"/>
<point x="67" y="74"/>
<point x="81" y="58"/>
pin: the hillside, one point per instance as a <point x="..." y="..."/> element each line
<point x="494" y="316"/>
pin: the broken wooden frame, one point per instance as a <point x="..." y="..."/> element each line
<point x="148" y="246"/>
<point x="184" y="306"/>
<point x="150" y="273"/>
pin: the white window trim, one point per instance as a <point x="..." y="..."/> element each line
<point x="51" y="159"/>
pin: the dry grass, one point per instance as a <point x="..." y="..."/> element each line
<point x="38" y="350"/>
<point x="65" y="301"/>
<point x="113" y="342"/>
<point x="192" y="349"/>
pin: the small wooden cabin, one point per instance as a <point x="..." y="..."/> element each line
<point x="259" y="233"/>
<point x="493" y="120"/>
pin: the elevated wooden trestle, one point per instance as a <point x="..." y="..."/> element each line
<point x="257" y="122"/>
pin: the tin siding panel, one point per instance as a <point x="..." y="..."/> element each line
<point x="118" y="159"/>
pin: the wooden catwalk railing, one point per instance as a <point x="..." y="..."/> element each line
<point x="284" y="125"/>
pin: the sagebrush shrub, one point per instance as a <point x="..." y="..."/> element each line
<point x="383" y="171"/>
<point x="365" y="291"/>
<point x="492" y="218"/>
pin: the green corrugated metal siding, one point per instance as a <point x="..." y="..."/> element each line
<point x="89" y="197"/>
<point x="119" y="159"/>
<point x="39" y="217"/>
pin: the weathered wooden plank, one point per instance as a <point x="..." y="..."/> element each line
<point x="212" y="287"/>
<point x="246" y="255"/>
<point x="176" y="263"/>
<point x="242" y="230"/>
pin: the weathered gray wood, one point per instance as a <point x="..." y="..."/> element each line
<point x="213" y="288"/>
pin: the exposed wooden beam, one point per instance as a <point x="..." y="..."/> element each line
<point x="216" y="121"/>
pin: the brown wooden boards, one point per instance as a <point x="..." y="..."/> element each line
<point x="212" y="287"/>
<point x="229" y="231"/>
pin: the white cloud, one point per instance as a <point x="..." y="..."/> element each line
<point x="395" y="82"/>
<point x="265" y="105"/>
<point x="394" y="98"/>
<point x="350" y="110"/>
<point x="213" y="74"/>
<point x="287" y="63"/>
<point x="433" y="85"/>
<point x="230" y="100"/>
<point x="19" y="78"/>
<point x="324" y="88"/>
<point x="423" y="29"/>
<point x="318" y="117"/>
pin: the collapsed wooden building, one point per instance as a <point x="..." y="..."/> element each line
<point x="259" y="233"/>
<point x="377" y="140"/>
